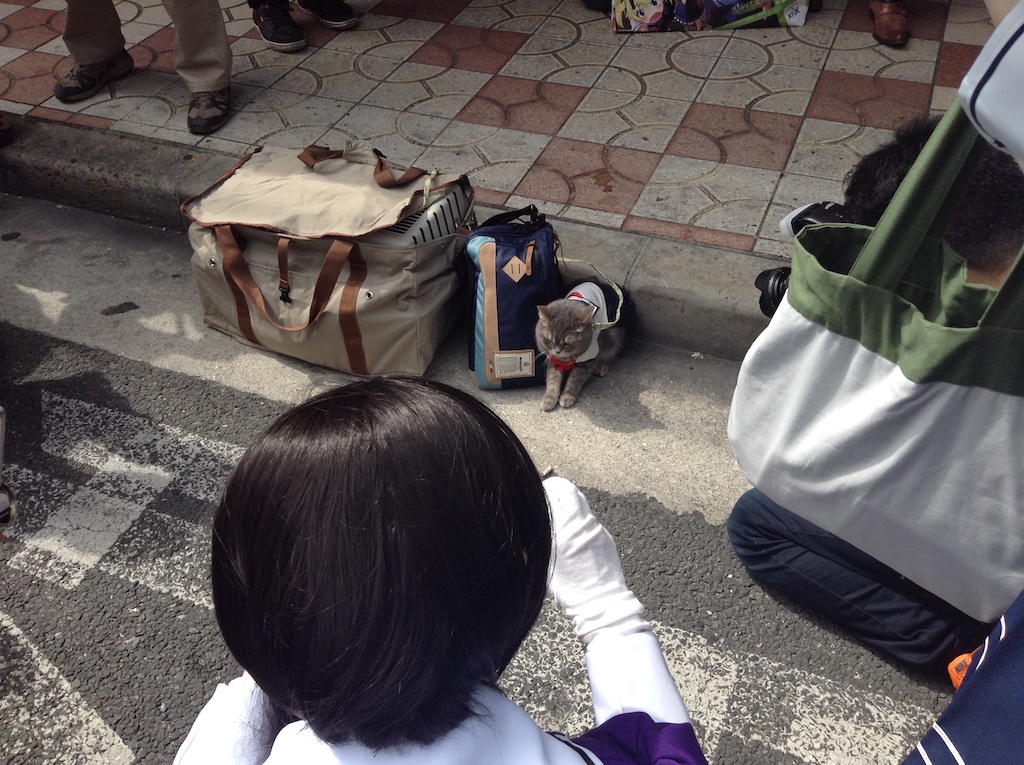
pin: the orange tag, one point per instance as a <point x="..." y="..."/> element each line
<point x="958" y="668"/>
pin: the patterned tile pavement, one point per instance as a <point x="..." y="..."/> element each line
<point x="708" y="137"/>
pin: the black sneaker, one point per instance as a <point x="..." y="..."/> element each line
<point x="275" y="25"/>
<point x="333" y="14"/>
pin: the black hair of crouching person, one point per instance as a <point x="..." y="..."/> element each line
<point x="988" y="228"/>
<point x="379" y="553"/>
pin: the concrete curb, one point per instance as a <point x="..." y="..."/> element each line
<point x="688" y="296"/>
<point x="118" y="174"/>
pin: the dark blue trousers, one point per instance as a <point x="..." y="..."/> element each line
<point x="824" y="574"/>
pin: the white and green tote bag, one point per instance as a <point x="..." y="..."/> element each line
<point x="884" y="402"/>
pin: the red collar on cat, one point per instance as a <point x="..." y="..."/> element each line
<point x="562" y="366"/>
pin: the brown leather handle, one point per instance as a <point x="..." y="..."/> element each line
<point x="244" y="286"/>
<point x="382" y="174"/>
<point x="386" y="179"/>
<point x="313" y="154"/>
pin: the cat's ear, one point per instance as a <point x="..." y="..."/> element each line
<point x="544" y="312"/>
<point x="584" y="311"/>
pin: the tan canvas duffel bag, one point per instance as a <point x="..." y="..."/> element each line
<point x="327" y="256"/>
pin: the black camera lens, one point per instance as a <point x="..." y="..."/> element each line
<point x="773" y="284"/>
<point x="819" y="212"/>
<point x="8" y="513"/>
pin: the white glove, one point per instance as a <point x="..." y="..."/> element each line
<point x="586" y="576"/>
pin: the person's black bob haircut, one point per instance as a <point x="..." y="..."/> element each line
<point x="988" y="227"/>
<point x="379" y="553"/>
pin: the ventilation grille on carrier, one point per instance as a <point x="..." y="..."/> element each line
<point x="441" y="218"/>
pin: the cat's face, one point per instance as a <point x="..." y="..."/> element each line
<point x="564" y="329"/>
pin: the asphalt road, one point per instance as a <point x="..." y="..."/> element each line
<point x="126" y="414"/>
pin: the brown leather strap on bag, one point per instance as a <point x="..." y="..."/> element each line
<point x="245" y="291"/>
<point x="347" y="313"/>
<point x="311" y="155"/>
<point x="229" y="246"/>
<point x="382" y="174"/>
<point x="236" y="270"/>
<point x="386" y="179"/>
<point x="282" y="270"/>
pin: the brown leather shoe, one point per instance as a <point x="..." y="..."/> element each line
<point x="87" y="80"/>
<point x="892" y="27"/>
<point x="209" y="110"/>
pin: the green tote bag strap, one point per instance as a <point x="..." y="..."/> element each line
<point x="924" y="203"/>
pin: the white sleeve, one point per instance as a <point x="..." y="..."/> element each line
<point x="627" y="669"/>
<point x="231" y="729"/>
<point x="628" y="673"/>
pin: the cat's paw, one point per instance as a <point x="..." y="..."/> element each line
<point x="566" y="401"/>
<point x="602" y="368"/>
<point x="548" y="403"/>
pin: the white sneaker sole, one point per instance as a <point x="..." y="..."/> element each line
<point x="347" y="24"/>
<point x="336" y="24"/>
<point x="286" y="47"/>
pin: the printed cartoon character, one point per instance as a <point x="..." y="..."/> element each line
<point x="642" y="15"/>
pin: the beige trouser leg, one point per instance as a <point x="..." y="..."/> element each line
<point x="202" y="54"/>
<point x="92" y="31"/>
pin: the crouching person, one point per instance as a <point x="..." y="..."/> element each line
<point x="379" y="555"/>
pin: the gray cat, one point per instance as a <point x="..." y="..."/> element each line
<point x="573" y="333"/>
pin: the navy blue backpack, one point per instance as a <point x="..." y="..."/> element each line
<point x="514" y="269"/>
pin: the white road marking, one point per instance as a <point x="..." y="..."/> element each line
<point x="79" y="532"/>
<point x="134" y="460"/>
<point x="197" y="464"/>
<point x="44" y="714"/>
<point x="817" y="720"/>
<point x="183" y="572"/>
